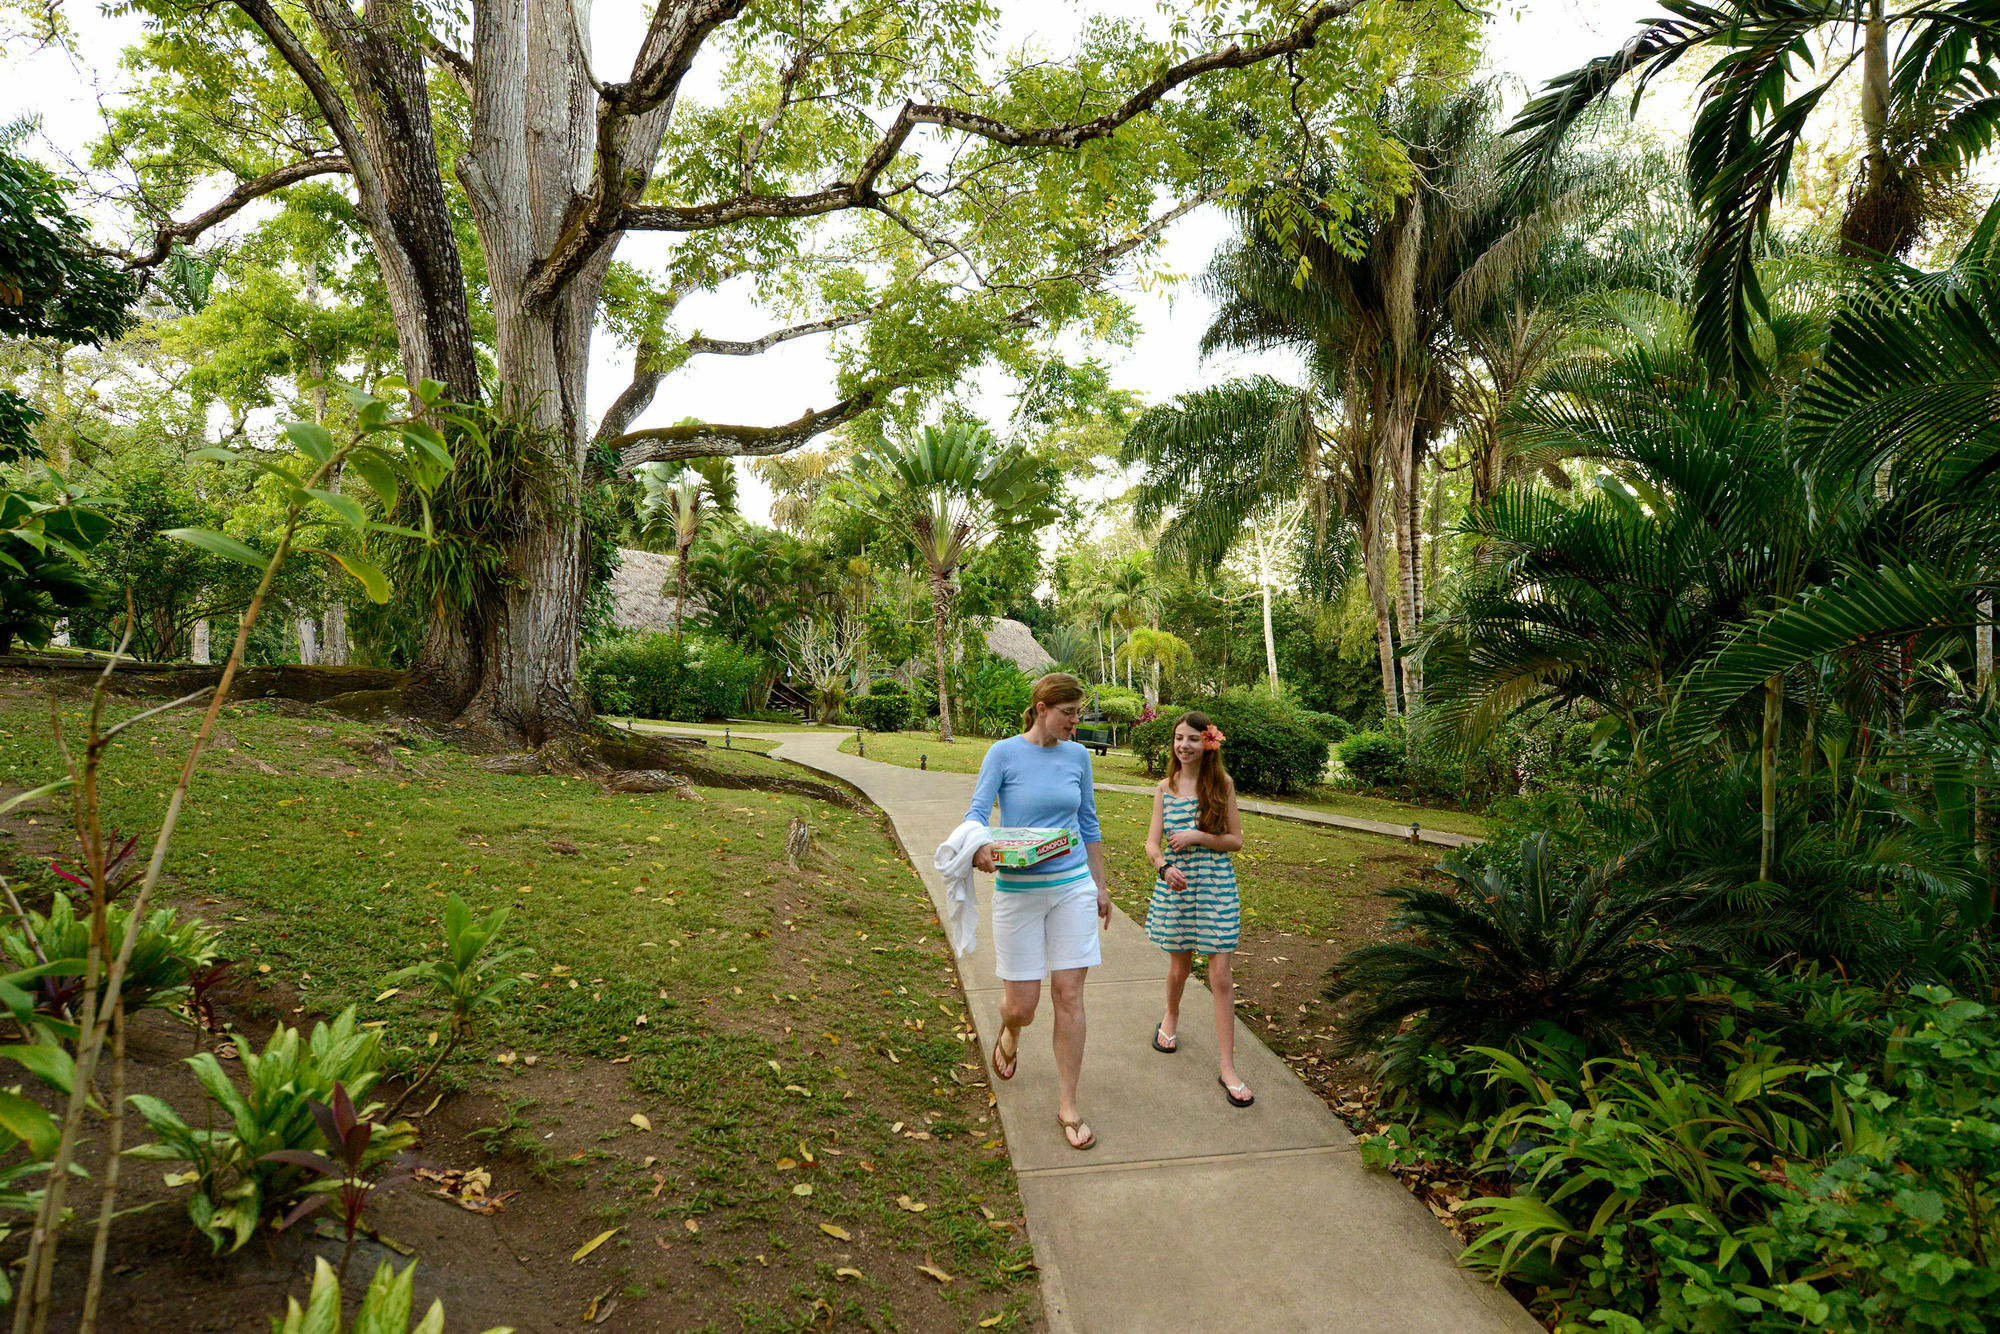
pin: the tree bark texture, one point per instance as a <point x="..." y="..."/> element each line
<point x="940" y="619"/>
<point x="1774" y="712"/>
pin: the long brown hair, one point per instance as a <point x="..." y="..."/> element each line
<point x="1211" y="778"/>
<point x="1055" y="689"/>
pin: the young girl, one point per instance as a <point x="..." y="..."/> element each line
<point x="1195" y="828"/>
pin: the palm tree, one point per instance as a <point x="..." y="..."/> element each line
<point x="1928" y="113"/>
<point x="949" y="490"/>
<point x="1159" y="650"/>
<point x="1126" y="601"/>
<point x="670" y="506"/>
<point x="798" y="480"/>
<point x="1378" y="306"/>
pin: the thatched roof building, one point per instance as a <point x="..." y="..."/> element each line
<point x="642" y="588"/>
<point x="1013" y="640"/>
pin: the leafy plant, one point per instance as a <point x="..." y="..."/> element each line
<point x="1503" y="952"/>
<point x="235" y="1176"/>
<point x="463" y="979"/>
<point x="885" y="708"/>
<point x="164" y="956"/>
<point x="996" y="693"/>
<point x="385" y="1309"/>
<point x="349" y="1179"/>
<point x="1374" y="758"/>
<point x="663" y="676"/>
<point x="1270" y="749"/>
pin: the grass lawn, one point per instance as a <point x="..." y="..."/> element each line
<point x="1122" y="766"/>
<point x="795" y="1040"/>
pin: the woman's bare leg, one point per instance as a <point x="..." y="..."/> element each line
<point x="1066" y="995"/>
<point x="1179" y="964"/>
<point x="1222" y="985"/>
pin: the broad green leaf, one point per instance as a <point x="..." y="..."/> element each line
<point x="313" y="438"/>
<point x="45" y="1061"/>
<point x="371" y="578"/>
<point x="26" y="1121"/>
<point x="378" y="473"/>
<point x="227" y="547"/>
<point x="347" y="507"/>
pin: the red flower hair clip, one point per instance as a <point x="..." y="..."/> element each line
<point x="1212" y="738"/>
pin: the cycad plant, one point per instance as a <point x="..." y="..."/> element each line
<point x="948" y="490"/>
<point x="1502" y="953"/>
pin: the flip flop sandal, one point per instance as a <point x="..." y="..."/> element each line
<point x="1161" y="1042"/>
<point x="1072" y="1125"/>
<point x="1229" y="1092"/>
<point x="1013" y="1063"/>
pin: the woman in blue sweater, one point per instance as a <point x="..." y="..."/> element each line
<point x="1046" y="918"/>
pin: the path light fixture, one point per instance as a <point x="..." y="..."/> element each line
<point x="1414" y="834"/>
<point x="725" y="739"/>
<point x="923" y="761"/>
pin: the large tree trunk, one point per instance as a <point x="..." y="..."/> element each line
<point x="941" y="615"/>
<point x="1270" y="642"/>
<point x="680" y="585"/>
<point x="1375" y="572"/>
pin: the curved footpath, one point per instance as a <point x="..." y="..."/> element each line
<point x="1189" y="1214"/>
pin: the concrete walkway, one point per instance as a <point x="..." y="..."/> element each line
<point x="1189" y="1214"/>
<point x="1435" y="838"/>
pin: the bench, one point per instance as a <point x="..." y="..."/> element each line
<point x="1097" y="738"/>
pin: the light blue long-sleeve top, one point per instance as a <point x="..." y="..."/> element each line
<point x="1039" y="787"/>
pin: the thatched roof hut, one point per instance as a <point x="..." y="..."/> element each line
<point x="1013" y="640"/>
<point x="642" y="589"/>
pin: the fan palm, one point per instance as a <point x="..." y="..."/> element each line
<point x="670" y="506"/>
<point x="1930" y="108"/>
<point x="949" y="490"/>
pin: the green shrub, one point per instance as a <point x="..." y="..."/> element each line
<point x="1270" y="750"/>
<point x="685" y="680"/>
<point x="384" y="1309"/>
<point x="1329" y="727"/>
<point x="996" y="692"/>
<point x="165" y="957"/>
<point x="1374" y="758"/>
<point x="235" y="1182"/>
<point x="885" y="708"/>
<point x="1501" y="953"/>
<point x="1119" y="705"/>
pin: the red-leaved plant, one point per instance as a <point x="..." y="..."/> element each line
<point x="347" y="1135"/>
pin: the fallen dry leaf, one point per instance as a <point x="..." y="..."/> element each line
<point x="909" y="1205"/>
<point x="786" y="1164"/>
<point x="802" y="1189"/>
<point x="934" y="1272"/>
<point x="845" y="1272"/>
<point x="837" y="1233"/>
<point x="594" y="1243"/>
<point x="990" y="1321"/>
<point x="691" y="1225"/>
<point x="639" y="1119"/>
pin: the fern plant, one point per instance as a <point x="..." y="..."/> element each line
<point x="1486" y="963"/>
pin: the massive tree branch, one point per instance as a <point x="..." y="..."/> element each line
<point x="861" y="192"/>
<point x="292" y="49"/>
<point x="694" y="440"/>
<point x="726" y="347"/>
<point x="233" y="203"/>
<point x="619" y="175"/>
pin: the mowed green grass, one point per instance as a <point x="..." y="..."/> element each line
<point x="761" y="1009"/>
<point x="1121" y="766"/>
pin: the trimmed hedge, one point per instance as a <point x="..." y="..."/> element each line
<point x="887" y="707"/>
<point x="1375" y="758"/>
<point x="1118" y="704"/>
<point x="1270" y="748"/>
<point x="654" y="675"/>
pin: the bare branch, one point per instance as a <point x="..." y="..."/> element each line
<point x="233" y="203"/>
<point x="861" y="192"/>
<point x="724" y="347"/>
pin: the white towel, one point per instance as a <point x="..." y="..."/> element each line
<point x="954" y="862"/>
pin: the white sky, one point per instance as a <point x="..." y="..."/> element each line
<point x="1529" y="40"/>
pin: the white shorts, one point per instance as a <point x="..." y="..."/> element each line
<point x="1038" y="934"/>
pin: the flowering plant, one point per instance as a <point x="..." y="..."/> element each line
<point x="1212" y="737"/>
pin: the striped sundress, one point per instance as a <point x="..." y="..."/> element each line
<point x="1205" y="916"/>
